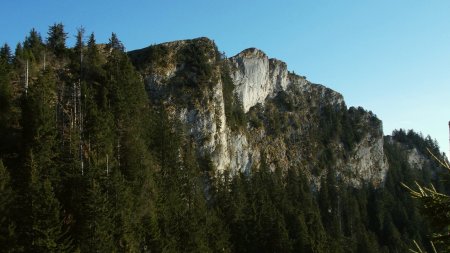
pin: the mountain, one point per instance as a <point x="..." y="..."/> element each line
<point x="248" y="106"/>
<point x="178" y="148"/>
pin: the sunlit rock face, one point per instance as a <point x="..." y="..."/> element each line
<point x="368" y="163"/>
<point x="257" y="77"/>
<point x="283" y="112"/>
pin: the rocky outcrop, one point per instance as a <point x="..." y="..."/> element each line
<point x="283" y="111"/>
<point x="207" y="126"/>
<point x="257" y="77"/>
<point x="368" y="163"/>
<point x="415" y="159"/>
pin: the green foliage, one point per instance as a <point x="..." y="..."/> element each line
<point x="34" y="47"/>
<point x="93" y="166"/>
<point x="115" y="44"/>
<point x="416" y="140"/>
<point x="46" y="227"/>
<point x="6" y="95"/>
<point x="56" y="40"/>
<point x="435" y="206"/>
<point x="39" y="123"/>
<point x="234" y="112"/>
<point x="8" y="236"/>
<point x="197" y="70"/>
<point x="150" y="57"/>
<point x="5" y="54"/>
<point x="99" y="222"/>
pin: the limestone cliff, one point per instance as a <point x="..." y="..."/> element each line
<point x="246" y="109"/>
<point x="257" y="77"/>
<point x="417" y="151"/>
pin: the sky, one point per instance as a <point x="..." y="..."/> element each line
<point x="390" y="57"/>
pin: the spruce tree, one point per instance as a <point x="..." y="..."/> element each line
<point x="98" y="232"/>
<point x="77" y="58"/>
<point x="8" y="237"/>
<point x="115" y="43"/>
<point x="436" y="207"/>
<point x="5" y="54"/>
<point x="42" y="227"/>
<point x="47" y="227"/>
<point x="34" y="47"/>
<point x="6" y="94"/>
<point x="56" y="40"/>
<point x="40" y="125"/>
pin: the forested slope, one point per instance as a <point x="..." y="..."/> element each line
<point x="96" y="159"/>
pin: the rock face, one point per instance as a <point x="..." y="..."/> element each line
<point x="288" y="121"/>
<point x="416" y="154"/>
<point x="257" y="77"/>
<point x="415" y="159"/>
<point x="368" y="162"/>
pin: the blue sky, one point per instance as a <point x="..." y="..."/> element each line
<point x="391" y="57"/>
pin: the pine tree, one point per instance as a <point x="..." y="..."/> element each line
<point x="5" y="54"/>
<point x="47" y="227"/>
<point x="6" y="95"/>
<point x="300" y="204"/>
<point x="233" y="204"/>
<point x="78" y="52"/>
<point x="34" y="47"/>
<point x="92" y="61"/>
<point x="40" y="125"/>
<point x="56" y="40"/>
<point x="126" y="96"/>
<point x="8" y="238"/>
<point x="18" y="57"/>
<point x="126" y="232"/>
<point x="436" y="207"/>
<point x="115" y="44"/>
<point x="98" y="231"/>
<point x="41" y="221"/>
<point x="79" y="43"/>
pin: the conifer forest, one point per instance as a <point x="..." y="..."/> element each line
<point x="89" y="162"/>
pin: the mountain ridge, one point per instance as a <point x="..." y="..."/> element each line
<point x="255" y="80"/>
<point x="188" y="150"/>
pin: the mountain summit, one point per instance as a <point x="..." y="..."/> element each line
<point x="249" y="108"/>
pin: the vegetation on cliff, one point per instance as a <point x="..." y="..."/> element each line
<point x="89" y="164"/>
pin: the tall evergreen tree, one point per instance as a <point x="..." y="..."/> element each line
<point x="47" y="227"/>
<point x="436" y="207"/>
<point x="8" y="237"/>
<point x="98" y="232"/>
<point x="115" y="43"/>
<point x="40" y="125"/>
<point x="56" y="40"/>
<point x="5" y="54"/>
<point x="34" y="47"/>
<point x="42" y="225"/>
<point x="78" y="52"/>
<point x="6" y="93"/>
